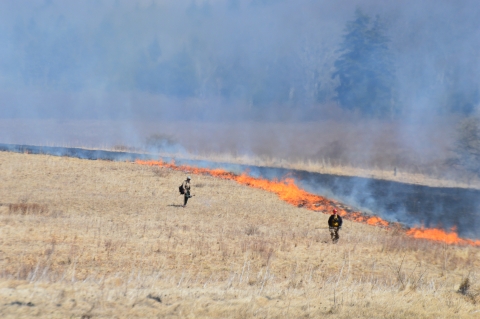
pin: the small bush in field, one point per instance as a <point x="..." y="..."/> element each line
<point x="161" y="172"/>
<point x="27" y="208"/>
<point x="464" y="286"/>
<point x="251" y="230"/>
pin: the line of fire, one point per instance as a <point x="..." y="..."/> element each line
<point x="288" y="191"/>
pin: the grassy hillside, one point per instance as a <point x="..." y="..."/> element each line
<point x="108" y="239"/>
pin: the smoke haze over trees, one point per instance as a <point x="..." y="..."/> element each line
<point x="260" y="54"/>
<point x="225" y="61"/>
<point x="365" y="69"/>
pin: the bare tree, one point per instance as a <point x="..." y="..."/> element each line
<point x="467" y="146"/>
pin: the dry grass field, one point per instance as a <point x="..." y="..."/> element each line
<point x="100" y="239"/>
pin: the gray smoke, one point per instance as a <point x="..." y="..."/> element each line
<point x="407" y="204"/>
<point x="242" y="77"/>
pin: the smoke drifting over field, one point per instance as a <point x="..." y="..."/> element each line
<point x="252" y="77"/>
<point x="451" y="210"/>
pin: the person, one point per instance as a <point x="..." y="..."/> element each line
<point x="186" y="191"/>
<point x="335" y="224"/>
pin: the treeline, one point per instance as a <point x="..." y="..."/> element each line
<point x="362" y="77"/>
<point x="363" y="68"/>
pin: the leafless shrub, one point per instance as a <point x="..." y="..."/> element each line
<point x="467" y="290"/>
<point x="110" y="245"/>
<point x="467" y="148"/>
<point x="161" y="172"/>
<point x="263" y="249"/>
<point x="251" y="230"/>
<point x="260" y="248"/>
<point x="24" y="270"/>
<point x="411" y="278"/>
<point x="28" y="209"/>
<point x="464" y="286"/>
<point x="200" y="185"/>
<point x="124" y="148"/>
<point x="121" y="148"/>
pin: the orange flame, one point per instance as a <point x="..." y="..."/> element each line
<point x="285" y="190"/>
<point x="291" y="193"/>
<point x="441" y="235"/>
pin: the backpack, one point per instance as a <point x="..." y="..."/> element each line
<point x="336" y="222"/>
<point x="181" y="189"/>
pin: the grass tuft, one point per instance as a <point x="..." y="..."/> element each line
<point x="28" y="209"/>
<point x="464" y="286"/>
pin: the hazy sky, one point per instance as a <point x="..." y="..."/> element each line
<point x="62" y="56"/>
<point x="218" y="61"/>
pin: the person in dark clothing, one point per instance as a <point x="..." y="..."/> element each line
<point x="186" y="190"/>
<point x="334" y="224"/>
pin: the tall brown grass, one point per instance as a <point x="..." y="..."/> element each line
<point x="27" y="208"/>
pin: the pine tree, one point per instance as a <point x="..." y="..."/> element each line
<point x="365" y="69"/>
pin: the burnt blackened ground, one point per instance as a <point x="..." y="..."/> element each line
<point x="411" y="205"/>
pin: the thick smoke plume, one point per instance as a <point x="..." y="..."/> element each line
<point x="219" y="60"/>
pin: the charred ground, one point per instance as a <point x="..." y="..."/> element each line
<point x="409" y="204"/>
